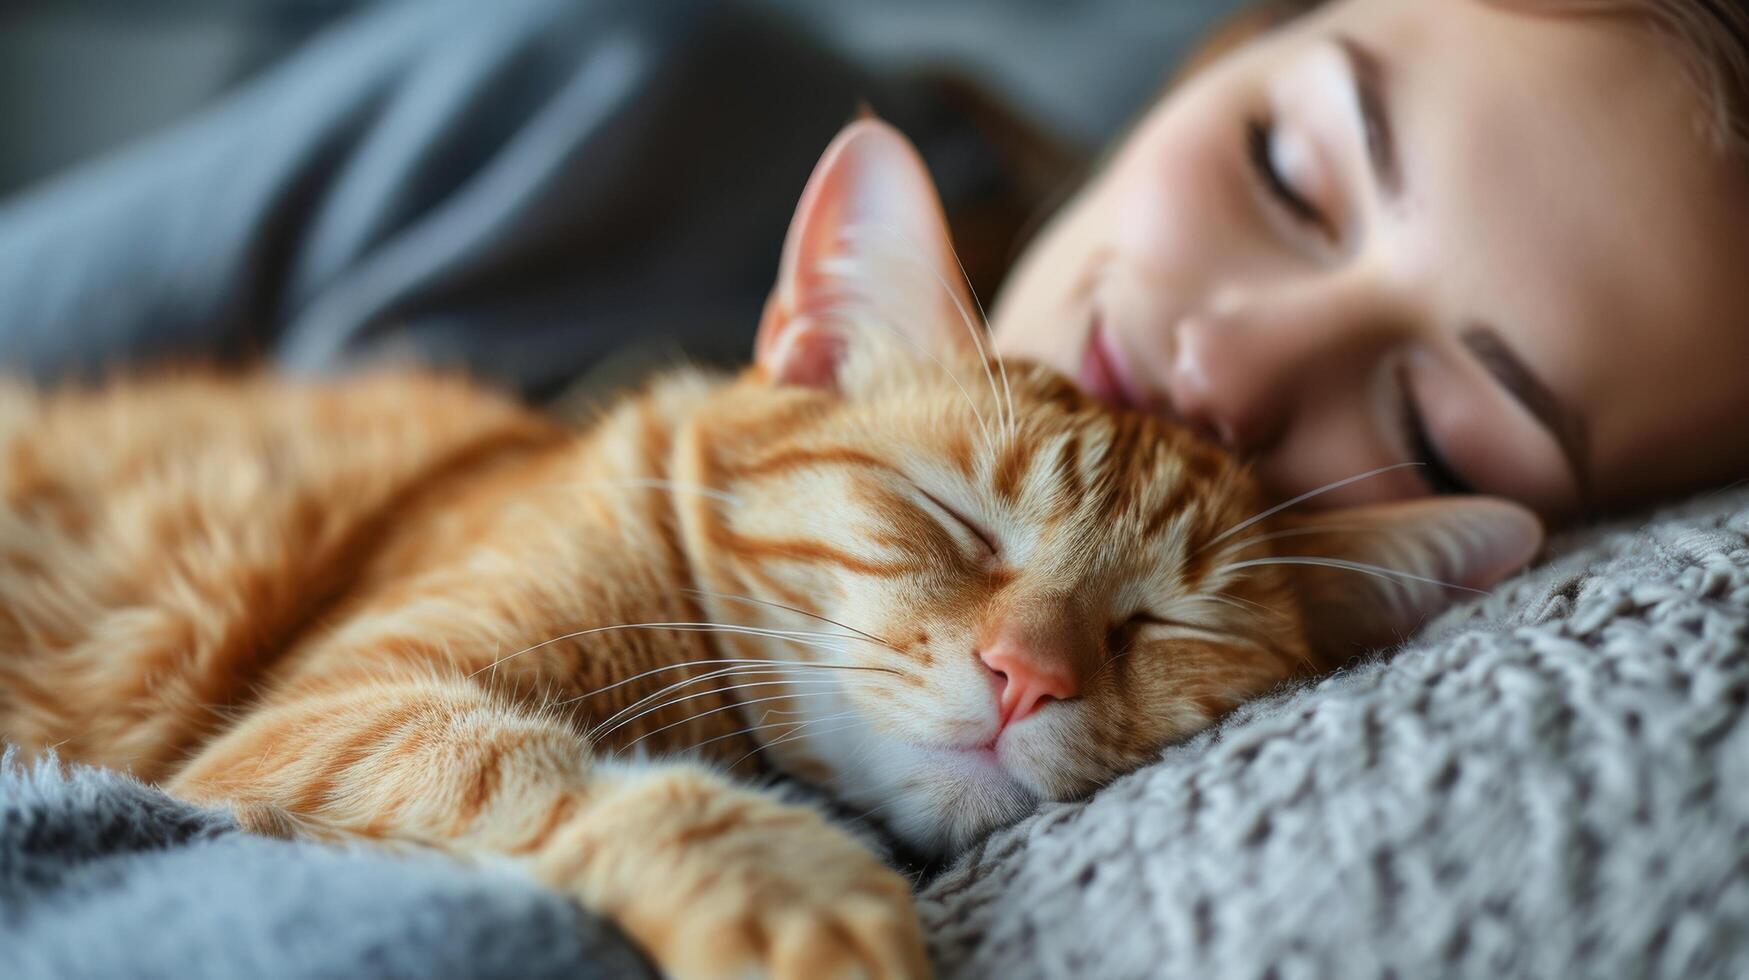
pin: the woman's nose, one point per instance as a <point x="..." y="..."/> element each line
<point x="1239" y="369"/>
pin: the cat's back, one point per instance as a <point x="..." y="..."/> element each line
<point x="158" y="538"/>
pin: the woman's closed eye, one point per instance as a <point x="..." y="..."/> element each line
<point x="1438" y="474"/>
<point x="1262" y="152"/>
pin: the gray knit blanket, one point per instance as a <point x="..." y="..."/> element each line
<point x="1550" y="782"/>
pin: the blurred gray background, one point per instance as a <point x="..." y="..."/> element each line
<point x="534" y="191"/>
<point x="81" y="76"/>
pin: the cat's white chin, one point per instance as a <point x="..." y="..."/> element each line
<point x="940" y="800"/>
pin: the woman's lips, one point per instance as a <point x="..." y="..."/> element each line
<point x="1105" y="373"/>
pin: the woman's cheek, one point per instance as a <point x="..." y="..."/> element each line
<point x="1035" y="314"/>
<point x="1177" y="205"/>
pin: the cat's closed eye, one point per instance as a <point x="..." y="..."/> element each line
<point x="983" y="541"/>
<point x="1144" y="623"/>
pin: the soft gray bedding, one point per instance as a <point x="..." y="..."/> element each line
<point x="1550" y="782"/>
<point x="103" y="877"/>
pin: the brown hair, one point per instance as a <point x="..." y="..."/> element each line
<point x="1710" y="36"/>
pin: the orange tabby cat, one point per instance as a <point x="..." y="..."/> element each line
<point x="398" y="608"/>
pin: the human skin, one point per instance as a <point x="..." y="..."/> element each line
<point x="1532" y="245"/>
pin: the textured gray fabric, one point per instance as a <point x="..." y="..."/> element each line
<point x="1550" y="782"/>
<point x="103" y="877"/>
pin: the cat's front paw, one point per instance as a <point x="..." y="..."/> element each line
<point x="716" y="881"/>
<point x="768" y="924"/>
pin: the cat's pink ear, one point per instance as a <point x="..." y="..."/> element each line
<point x="867" y="252"/>
<point x="1374" y="574"/>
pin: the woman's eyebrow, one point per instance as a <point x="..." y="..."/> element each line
<point x="1370" y="76"/>
<point x="1538" y="398"/>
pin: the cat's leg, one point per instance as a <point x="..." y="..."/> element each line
<point x="714" y="879"/>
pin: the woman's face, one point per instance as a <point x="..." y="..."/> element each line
<point x="1495" y="243"/>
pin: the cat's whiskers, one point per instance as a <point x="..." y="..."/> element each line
<point x="1378" y="571"/>
<point x="915" y="253"/>
<point x="1317" y="561"/>
<point x="1302" y="498"/>
<point x="804" y="731"/>
<point x="599" y="733"/>
<point x="732" y="597"/>
<point x="1234" y="601"/>
<point x="729" y="667"/>
<point x="748" y="731"/>
<point x="754" y="729"/>
<point x="1251" y="628"/>
<point x="984" y="318"/>
<point x="971" y="403"/>
<point x="1294" y="532"/>
<point x="723" y="661"/>
<point x="1110" y="661"/>
<point x="799" y="636"/>
<point x="734" y="705"/>
<point x="677" y="685"/>
<point x="745" y="671"/>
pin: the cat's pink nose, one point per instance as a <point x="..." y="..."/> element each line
<point x="1028" y="680"/>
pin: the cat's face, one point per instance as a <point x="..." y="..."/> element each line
<point x="1012" y="592"/>
<point x="1045" y="603"/>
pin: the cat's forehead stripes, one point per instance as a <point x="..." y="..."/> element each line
<point x="807" y="551"/>
<point x="1065" y="496"/>
<point x="1072" y="495"/>
<point x="1126" y="472"/>
<point x="1069" y="466"/>
<point x="1088" y="449"/>
<point x="1012" y="463"/>
<point x="790" y="458"/>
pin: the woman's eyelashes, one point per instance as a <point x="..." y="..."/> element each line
<point x="1439" y="476"/>
<point x="1261" y="151"/>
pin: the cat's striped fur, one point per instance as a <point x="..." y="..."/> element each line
<point x="399" y="608"/>
<point x="299" y="599"/>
